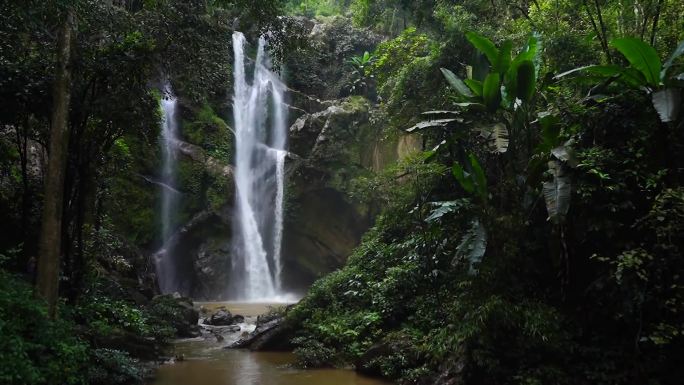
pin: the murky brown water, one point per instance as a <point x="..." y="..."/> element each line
<point x="207" y="363"/>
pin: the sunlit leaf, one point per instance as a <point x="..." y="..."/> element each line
<point x="456" y="83"/>
<point x="484" y="45"/>
<point x="641" y="56"/>
<point x="474" y="85"/>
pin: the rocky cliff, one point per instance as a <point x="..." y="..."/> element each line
<point x="331" y="142"/>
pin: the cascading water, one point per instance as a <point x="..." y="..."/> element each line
<point x="261" y="134"/>
<point x="166" y="274"/>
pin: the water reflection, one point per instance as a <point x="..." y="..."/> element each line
<point x="236" y="367"/>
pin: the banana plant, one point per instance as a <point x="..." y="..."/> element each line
<point x="645" y="72"/>
<point x="510" y="81"/>
<point x="471" y="178"/>
<point x="508" y="86"/>
<point x="361" y="72"/>
<point x="559" y="158"/>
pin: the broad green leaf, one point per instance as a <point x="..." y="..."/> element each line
<point x="630" y="76"/>
<point x="479" y="179"/>
<point x="550" y="132"/>
<point x="526" y="81"/>
<point x="641" y="56"/>
<point x="603" y="70"/>
<point x="443" y="208"/>
<point x="456" y="83"/>
<point x="475" y="86"/>
<point x="557" y="193"/>
<point x="633" y="78"/>
<point x="473" y="246"/>
<point x="667" y="102"/>
<point x="463" y="178"/>
<point x="491" y="91"/>
<point x="530" y="52"/>
<point x="484" y="45"/>
<point x="503" y="61"/>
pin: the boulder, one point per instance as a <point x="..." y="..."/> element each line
<point x="220" y="318"/>
<point x="271" y="334"/>
<point x="321" y="70"/>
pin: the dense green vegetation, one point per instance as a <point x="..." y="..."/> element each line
<point x="536" y="239"/>
<point x="108" y="326"/>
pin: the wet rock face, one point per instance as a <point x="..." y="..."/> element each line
<point x="201" y="255"/>
<point x="319" y="69"/>
<point x="330" y="141"/>
<point x="320" y="237"/>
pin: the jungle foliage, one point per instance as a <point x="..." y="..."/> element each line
<point x="109" y="322"/>
<point x="535" y="240"/>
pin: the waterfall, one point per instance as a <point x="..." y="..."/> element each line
<point x="164" y="264"/>
<point x="261" y="136"/>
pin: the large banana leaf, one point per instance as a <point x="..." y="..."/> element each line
<point x="456" y="83"/>
<point x="631" y="76"/>
<point x="473" y="246"/>
<point x="641" y="56"/>
<point x="491" y="91"/>
<point x="464" y="178"/>
<point x="525" y="80"/>
<point x="475" y="86"/>
<point x="557" y="193"/>
<point x="667" y="102"/>
<point x="445" y="207"/>
<point x="479" y="179"/>
<point x="433" y="123"/>
<point x="503" y="61"/>
<point x="531" y="51"/>
<point x="484" y="45"/>
<point x="497" y="137"/>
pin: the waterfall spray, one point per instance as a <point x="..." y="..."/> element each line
<point x="261" y="134"/>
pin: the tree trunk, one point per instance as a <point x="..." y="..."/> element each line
<point x="49" y="246"/>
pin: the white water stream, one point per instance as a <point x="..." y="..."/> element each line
<point x="261" y="136"/>
<point x="166" y="274"/>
